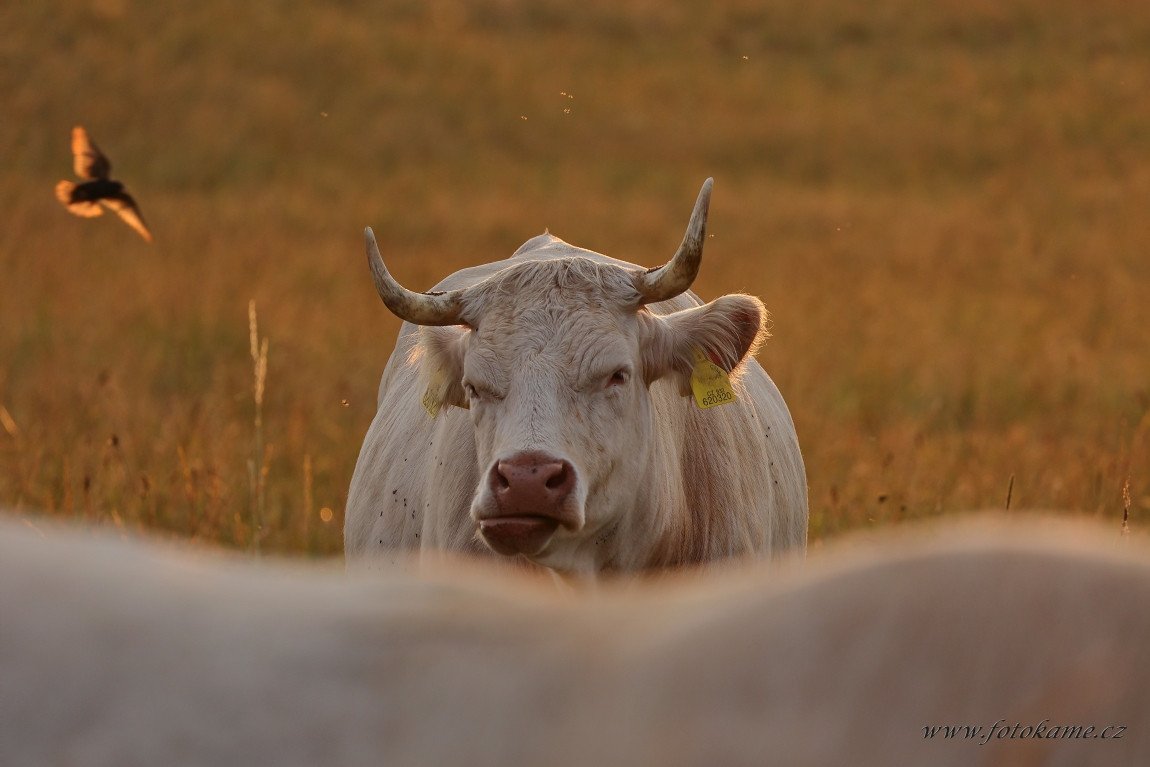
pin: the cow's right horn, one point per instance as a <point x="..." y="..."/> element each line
<point x="419" y="308"/>
<point x="676" y="275"/>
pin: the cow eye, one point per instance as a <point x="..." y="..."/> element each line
<point x="619" y="377"/>
<point x="480" y="393"/>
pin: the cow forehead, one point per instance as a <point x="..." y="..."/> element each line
<point x="573" y="311"/>
<point x="572" y="335"/>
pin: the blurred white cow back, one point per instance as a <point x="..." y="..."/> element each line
<point x="924" y="649"/>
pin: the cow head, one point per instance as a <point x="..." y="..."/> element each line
<point x="555" y="360"/>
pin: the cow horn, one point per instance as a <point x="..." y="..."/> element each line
<point x="419" y="308"/>
<point x="676" y="275"/>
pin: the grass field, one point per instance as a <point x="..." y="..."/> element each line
<point x="944" y="206"/>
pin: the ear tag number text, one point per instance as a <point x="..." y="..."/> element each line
<point x="710" y="383"/>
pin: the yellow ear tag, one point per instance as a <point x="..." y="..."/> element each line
<point x="710" y="383"/>
<point x="433" y="395"/>
<point x="430" y="403"/>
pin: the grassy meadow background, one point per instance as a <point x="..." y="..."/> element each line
<point x="945" y="206"/>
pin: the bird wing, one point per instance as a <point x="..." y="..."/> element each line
<point x="123" y="204"/>
<point x="89" y="161"/>
<point x="85" y="208"/>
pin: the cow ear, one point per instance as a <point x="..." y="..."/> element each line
<point x="726" y="331"/>
<point x="440" y="354"/>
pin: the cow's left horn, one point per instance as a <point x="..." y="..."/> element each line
<point x="676" y="275"/>
<point x="419" y="308"/>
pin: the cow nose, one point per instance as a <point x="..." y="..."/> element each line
<point x="531" y="484"/>
<point x="531" y="491"/>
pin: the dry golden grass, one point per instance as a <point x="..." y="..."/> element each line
<point x="944" y="206"/>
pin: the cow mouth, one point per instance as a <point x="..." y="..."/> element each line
<point x="520" y="534"/>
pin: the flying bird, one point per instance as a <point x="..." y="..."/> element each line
<point x="84" y="199"/>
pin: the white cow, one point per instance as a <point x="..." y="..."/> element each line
<point x="548" y="409"/>
<point x="1009" y="645"/>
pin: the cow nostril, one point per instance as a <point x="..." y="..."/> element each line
<point x="499" y="480"/>
<point x="557" y="480"/>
